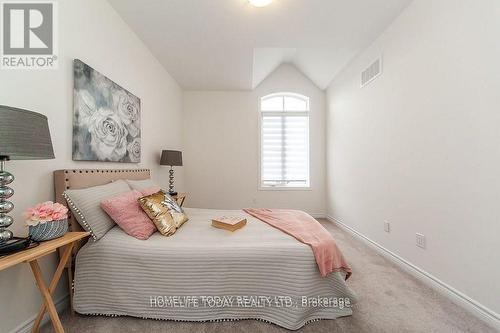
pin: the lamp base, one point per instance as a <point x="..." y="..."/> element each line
<point x="171" y="182"/>
<point x="5" y="235"/>
<point x="5" y="206"/>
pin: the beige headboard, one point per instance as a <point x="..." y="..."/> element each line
<point x="82" y="178"/>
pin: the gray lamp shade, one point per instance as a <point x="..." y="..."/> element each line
<point x="171" y="157"/>
<point x="24" y="135"/>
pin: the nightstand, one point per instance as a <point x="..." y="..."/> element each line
<point x="180" y="198"/>
<point x="31" y="257"/>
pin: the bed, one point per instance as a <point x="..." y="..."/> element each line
<point x="201" y="273"/>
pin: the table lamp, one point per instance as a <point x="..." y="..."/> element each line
<point x="24" y="135"/>
<point x="171" y="158"/>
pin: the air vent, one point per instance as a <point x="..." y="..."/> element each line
<point x="369" y="74"/>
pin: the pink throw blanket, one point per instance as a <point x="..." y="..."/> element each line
<point x="306" y="229"/>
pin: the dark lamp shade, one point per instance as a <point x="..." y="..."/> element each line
<point x="171" y="157"/>
<point x="24" y="135"/>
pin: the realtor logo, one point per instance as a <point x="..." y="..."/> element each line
<point x="28" y="35"/>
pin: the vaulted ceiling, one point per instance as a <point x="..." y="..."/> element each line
<point x="231" y="45"/>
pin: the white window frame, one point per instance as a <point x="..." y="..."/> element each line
<point x="261" y="187"/>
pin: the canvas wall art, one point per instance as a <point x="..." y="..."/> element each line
<point x="107" y="119"/>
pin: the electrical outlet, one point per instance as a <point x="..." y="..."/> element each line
<point x="420" y="240"/>
<point x="387" y="226"/>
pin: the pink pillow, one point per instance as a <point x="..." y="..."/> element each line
<point x="126" y="212"/>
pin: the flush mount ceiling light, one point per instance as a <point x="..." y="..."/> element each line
<point x="260" y="3"/>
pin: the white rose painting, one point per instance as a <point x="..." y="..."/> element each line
<point x="107" y="119"/>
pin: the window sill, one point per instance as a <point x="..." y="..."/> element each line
<point x="284" y="188"/>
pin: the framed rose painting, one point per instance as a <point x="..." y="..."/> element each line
<point x="107" y="119"/>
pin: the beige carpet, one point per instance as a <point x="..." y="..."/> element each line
<point x="390" y="301"/>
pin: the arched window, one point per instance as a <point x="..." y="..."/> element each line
<point x="284" y="141"/>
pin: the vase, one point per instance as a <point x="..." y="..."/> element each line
<point x="44" y="231"/>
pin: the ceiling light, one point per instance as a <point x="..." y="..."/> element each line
<point x="260" y="3"/>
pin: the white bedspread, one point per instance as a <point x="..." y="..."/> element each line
<point x="202" y="273"/>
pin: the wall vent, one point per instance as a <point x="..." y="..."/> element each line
<point x="371" y="73"/>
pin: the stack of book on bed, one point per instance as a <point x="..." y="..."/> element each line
<point x="230" y="223"/>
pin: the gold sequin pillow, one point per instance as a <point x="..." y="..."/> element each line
<point x="164" y="211"/>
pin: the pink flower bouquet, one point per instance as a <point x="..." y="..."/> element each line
<point x="45" y="212"/>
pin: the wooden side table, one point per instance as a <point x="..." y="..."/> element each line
<point x="180" y="198"/>
<point x="31" y="257"/>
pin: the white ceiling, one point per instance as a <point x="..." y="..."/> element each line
<point x="231" y="45"/>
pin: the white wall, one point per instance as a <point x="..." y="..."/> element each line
<point x="420" y="146"/>
<point x="94" y="33"/>
<point x="221" y="149"/>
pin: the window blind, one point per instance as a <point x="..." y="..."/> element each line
<point x="285" y="142"/>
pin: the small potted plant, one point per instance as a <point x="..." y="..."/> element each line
<point x="47" y="220"/>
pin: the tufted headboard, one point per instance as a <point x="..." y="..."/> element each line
<point x="82" y="178"/>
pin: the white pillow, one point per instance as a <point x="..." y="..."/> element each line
<point x="140" y="185"/>
<point x="85" y="204"/>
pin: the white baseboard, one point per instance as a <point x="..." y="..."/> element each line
<point x="25" y="327"/>
<point x="475" y="308"/>
<point x="318" y="215"/>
